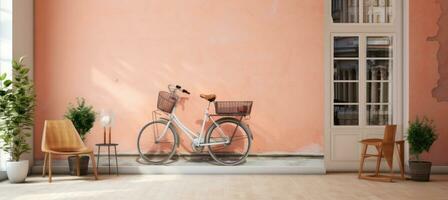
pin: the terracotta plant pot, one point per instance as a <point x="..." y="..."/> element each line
<point x="420" y="170"/>
<point x="83" y="163"/>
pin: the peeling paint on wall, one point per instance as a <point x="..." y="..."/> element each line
<point x="440" y="92"/>
<point x="426" y="19"/>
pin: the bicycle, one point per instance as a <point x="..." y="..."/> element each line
<point x="228" y="139"/>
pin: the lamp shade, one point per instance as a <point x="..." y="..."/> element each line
<point x="106" y="118"/>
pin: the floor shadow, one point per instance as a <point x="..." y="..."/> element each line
<point x="173" y="159"/>
<point x="64" y="178"/>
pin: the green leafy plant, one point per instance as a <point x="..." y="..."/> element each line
<point x="17" y="102"/>
<point x="82" y="116"/>
<point x="421" y="136"/>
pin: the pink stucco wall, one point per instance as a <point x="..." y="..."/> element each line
<point x="428" y="26"/>
<point x="119" y="54"/>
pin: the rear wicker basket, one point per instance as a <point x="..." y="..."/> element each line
<point x="166" y="101"/>
<point x="233" y="108"/>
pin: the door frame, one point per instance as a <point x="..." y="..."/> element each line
<point x="399" y="28"/>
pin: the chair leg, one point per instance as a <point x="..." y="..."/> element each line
<point x="49" y="167"/>
<point x="95" y="172"/>
<point x="378" y="160"/>
<point x="400" y="151"/>
<point x="392" y="164"/>
<point x="78" y="166"/>
<point x="361" y="162"/>
<point x="45" y="165"/>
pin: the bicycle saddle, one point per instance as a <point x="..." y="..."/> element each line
<point x="209" y="97"/>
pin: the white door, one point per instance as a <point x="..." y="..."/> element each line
<point x="363" y="77"/>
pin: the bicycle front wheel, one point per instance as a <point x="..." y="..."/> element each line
<point x="157" y="142"/>
<point x="238" y="137"/>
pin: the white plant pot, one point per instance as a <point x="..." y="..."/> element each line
<point x="17" y="171"/>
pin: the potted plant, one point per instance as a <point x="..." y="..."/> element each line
<point x="83" y="117"/>
<point x="421" y="135"/>
<point x="17" y="101"/>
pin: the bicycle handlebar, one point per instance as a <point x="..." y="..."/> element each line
<point x="185" y="91"/>
<point x="173" y="89"/>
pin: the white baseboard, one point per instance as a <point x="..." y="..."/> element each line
<point x="439" y="170"/>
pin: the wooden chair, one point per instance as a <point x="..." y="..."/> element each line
<point x="61" y="137"/>
<point x="385" y="148"/>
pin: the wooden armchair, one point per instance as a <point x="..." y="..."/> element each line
<point x="61" y="137"/>
<point x="385" y="148"/>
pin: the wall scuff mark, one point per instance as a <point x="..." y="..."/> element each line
<point x="440" y="92"/>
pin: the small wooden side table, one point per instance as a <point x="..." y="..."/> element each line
<point x="108" y="155"/>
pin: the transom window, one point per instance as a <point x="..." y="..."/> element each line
<point x="361" y="11"/>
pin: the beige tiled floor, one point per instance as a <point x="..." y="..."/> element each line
<point x="228" y="187"/>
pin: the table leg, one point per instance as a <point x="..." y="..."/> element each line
<point x="98" y="158"/>
<point x="116" y="159"/>
<point x="108" y="156"/>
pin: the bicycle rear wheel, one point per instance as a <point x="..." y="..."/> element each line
<point x="157" y="142"/>
<point x="237" y="148"/>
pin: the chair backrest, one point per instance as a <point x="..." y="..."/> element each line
<point x="389" y="134"/>
<point x="389" y="143"/>
<point x="61" y="136"/>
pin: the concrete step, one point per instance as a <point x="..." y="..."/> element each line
<point x="202" y="165"/>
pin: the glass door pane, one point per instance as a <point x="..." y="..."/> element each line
<point x="379" y="47"/>
<point x="346" y="47"/>
<point x="377" y="114"/>
<point x="346" y="81"/>
<point x="377" y="92"/>
<point x="345" y="70"/>
<point x="378" y="69"/>
<point x="378" y="78"/>
<point x="346" y="115"/>
<point x="345" y="92"/>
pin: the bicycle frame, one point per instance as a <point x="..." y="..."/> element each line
<point x="196" y="139"/>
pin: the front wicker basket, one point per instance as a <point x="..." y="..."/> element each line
<point x="166" y="101"/>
